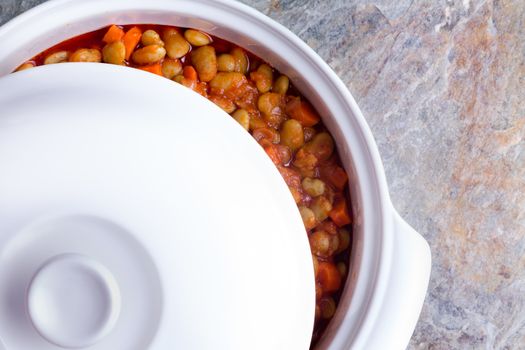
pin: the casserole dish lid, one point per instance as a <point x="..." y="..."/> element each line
<point x="136" y="214"/>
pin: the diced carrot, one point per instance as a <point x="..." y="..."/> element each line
<point x="131" y="40"/>
<point x="302" y="112"/>
<point x="335" y="176"/>
<point x="190" y="73"/>
<point x="153" y="68"/>
<point x="328" y="276"/>
<point x="339" y="213"/>
<point x="114" y="33"/>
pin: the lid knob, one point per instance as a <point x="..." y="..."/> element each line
<point x="73" y="301"/>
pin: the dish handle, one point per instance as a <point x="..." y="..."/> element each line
<point x="405" y="290"/>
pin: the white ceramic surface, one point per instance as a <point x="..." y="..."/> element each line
<point x="390" y="264"/>
<point x="73" y="301"/>
<point x="160" y="196"/>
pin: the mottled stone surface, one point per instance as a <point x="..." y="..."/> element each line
<point x="442" y="85"/>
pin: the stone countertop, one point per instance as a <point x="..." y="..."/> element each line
<point x="442" y="85"/>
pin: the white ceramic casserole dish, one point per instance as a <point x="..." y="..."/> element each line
<point x="390" y="262"/>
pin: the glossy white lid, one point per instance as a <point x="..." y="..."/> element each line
<point x="136" y="214"/>
<point x="73" y="301"/>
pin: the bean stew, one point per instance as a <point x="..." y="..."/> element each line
<point x="267" y="105"/>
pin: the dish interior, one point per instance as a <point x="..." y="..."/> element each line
<point x="267" y="105"/>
